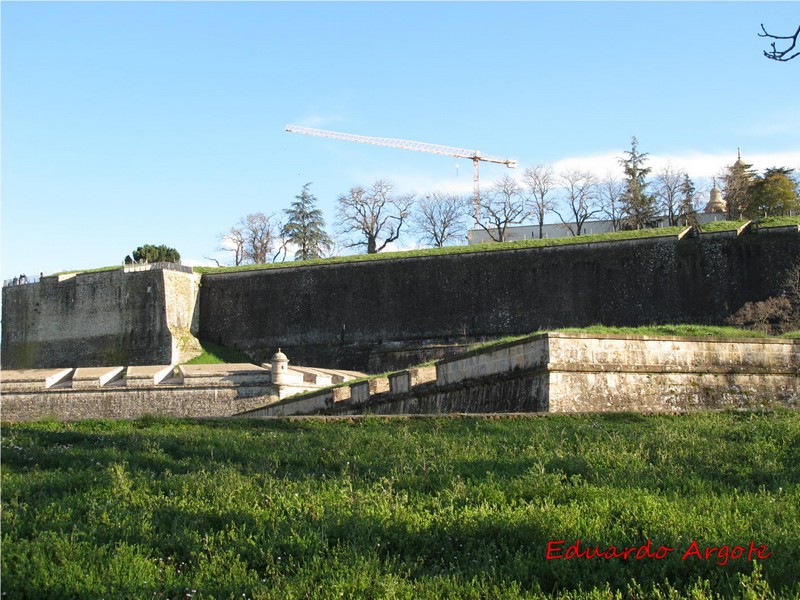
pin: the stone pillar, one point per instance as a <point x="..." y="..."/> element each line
<point x="280" y="366"/>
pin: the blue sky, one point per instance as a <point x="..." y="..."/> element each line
<point x="132" y="123"/>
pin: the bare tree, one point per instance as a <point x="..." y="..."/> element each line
<point x="282" y="240"/>
<point x="233" y="241"/>
<point x="501" y="206"/>
<point x="372" y="217"/>
<point x="251" y="240"/>
<point x="610" y="191"/>
<point x="580" y="197"/>
<point x="668" y="186"/>
<point x="440" y="218"/>
<point x="781" y="55"/>
<point x="259" y="236"/>
<point x="540" y="180"/>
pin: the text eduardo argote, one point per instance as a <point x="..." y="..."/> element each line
<point x="721" y="555"/>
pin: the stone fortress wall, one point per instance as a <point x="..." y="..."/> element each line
<point x="140" y="315"/>
<point x="576" y="372"/>
<point x="384" y="314"/>
<point x="544" y="373"/>
<point x="380" y="315"/>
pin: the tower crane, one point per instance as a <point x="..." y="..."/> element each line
<point x="474" y="155"/>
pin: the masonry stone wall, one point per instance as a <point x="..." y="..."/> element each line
<point x="187" y="390"/>
<point x="576" y="372"/>
<point x="101" y="318"/>
<point x="377" y="315"/>
<point x="135" y="391"/>
<point x="176" y="401"/>
<point x="380" y="315"/>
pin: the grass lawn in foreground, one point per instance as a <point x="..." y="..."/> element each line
<point x="402" y="507"/>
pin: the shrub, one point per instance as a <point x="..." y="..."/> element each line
<point x="773" y="315"/>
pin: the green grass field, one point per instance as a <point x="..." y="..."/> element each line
<point x="401" y="508"/>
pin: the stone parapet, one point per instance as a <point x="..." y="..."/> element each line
<point x="147" y="376"/>
<point x="129" y="392"/>
<point x="579" y="372"/>
<point x="224" y="375"/>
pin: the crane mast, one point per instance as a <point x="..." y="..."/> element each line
<point x="474" y="155"/>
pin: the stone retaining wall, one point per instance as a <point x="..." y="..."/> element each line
<point x="577" y="372"/>
<point x="384" y="315"/>
<point x="217" y="390"/>
<point x="555" y="372"/>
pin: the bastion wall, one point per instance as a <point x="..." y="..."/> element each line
<point x="576" y="373"/>
<point x="385" y="314"/>
<point x="551" y="372"/>
<point x="101" y="318"/>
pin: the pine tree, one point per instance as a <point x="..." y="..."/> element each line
<point x="150" y="253"/>
<point x="306" y="227"/>
<point x="687" y="215"/>
<point x="639" y="206"/>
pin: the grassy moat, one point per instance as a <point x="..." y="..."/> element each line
<point x="404" y="507"/>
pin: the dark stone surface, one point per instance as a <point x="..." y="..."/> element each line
<point x="344" y="315"/>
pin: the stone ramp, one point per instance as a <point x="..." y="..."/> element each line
<point x="574" y="373"/>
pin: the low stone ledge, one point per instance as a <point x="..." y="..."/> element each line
<point x="88" y="378"/>
<point x="224" y="375"/>
<point x="779" y="229"/>
<point x="404" y="381"/>
<point x="302" y="406"/>
<point x="20" y="380"/>
<point x="125" y="403"/>
<point x="147" y="376"/>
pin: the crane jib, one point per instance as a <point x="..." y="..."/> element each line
<point x="474" y="155"/>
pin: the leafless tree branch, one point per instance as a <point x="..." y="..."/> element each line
<point x="781" y="55"/>
<point x="439" y="218"/>
<point x="502" y="206"/>
<point x="377" y="215"/>
<point x="580" y="199"/>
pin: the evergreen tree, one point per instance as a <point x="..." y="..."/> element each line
<point x="738" y="186"/>
<point x="306" y="227"/>
<point x="773" y="194"/>
<point x="639" y="206"/>
<point x="152" y="254"/>
<point x="687" y="214"/>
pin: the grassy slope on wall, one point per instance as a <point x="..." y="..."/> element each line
<point x="534" y="243"/>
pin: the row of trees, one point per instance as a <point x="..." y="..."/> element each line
<point x="260" y="238"/>
<point x="373" y="217"/>
<point x="577" y="196"/>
